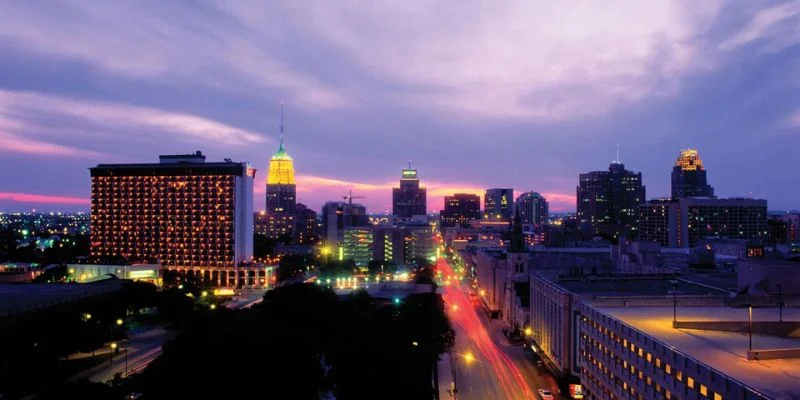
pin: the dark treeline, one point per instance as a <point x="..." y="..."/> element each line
<point x="303" y="342"/>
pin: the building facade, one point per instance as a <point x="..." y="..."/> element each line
<point x="337" y="215"/>
<point x="409" y="199"/>
<point x="460" y="210"/>
<point x="689" y="176"/>
<point x="498" y="204"/>
<point x="684" y="222"/>
<point x="281" y="194"/>
<point x="609" y="200"/>
<point x="183" y="213"/>
<point x="305" y="225"/>
<point x="533" y="209"/>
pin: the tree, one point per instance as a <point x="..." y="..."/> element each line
<point x="291" y="265"/>
<point x="53" y="274"/>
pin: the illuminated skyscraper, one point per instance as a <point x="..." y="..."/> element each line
<point x="610" y="200"/>
<point x="689" y="176"/>
<point x="498" y="204"/>
<point x="187" y="214"/>
<point x="409" y="199"/>
<point x="460" y="209"/>
<point x="281" y="192"/>
<point x="533" y="209"/>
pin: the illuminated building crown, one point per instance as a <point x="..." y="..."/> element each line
<point x="281" y="165"/>
<point x="689" y="160"/>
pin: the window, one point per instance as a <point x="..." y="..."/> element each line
<point x="717" y="396"/>
<point x="658" y="362"/>
<point x="679" y="376"/>
<point x="690" y="382"/>
<point x="703" y="390"/>
<point x="668" y="369"/>
<point x="649" y="357"/>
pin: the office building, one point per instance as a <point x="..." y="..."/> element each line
<point x="409" y="199"/>
<point x="305" y="225"/>
<point x="689" y="176"/>
<point x="498" y="204"/>
<point x="614" y="337"/>
<point x="337" y="215"/>
<point x="281" y="192"/>
<point x="460" y="210"/>
<point x="533" y="209"/>
<point x="609" y="200"/>
<point x="182" y="212"/>
<point x="402" y="244"/>
<point x="684" y="222"/>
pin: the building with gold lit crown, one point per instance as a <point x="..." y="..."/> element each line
<point x="689" y="176"/>
<point x="281" y="192"/>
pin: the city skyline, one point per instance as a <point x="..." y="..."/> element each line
<point x="363" y="96"/>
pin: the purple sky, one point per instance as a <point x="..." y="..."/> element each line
<point x="477" y="94"/>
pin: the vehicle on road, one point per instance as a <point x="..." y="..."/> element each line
<point x="545" y="394"/>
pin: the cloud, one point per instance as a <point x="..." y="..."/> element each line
<point x="29" y="198"/>
<point x="33" y="123"/>
<point x="778" y="25"/>
<point x="164" y="42"/>
<point x="793" y="120"/>
<point x="525" y="59"/>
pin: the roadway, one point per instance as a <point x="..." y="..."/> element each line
<point x="483" y="364"/>
<point x="142" y="348"/>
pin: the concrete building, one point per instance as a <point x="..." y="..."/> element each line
<point x="401" y="244"/>
<point x="609" y="200"/>
<point x="409" y="199"/>
<point x="533" y="210"/>
<point x="689" y="176"/>
<point x="498" y="204"/>
<point x="305" y="225"/>
<point x="460" y="210"/>
<point x="183" y="213"/>
<point x="338" y="215"/>
<point x="686" y="221"/>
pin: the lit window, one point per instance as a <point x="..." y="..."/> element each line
<point x="703" y="390"/>
<point x="690" y="382"/>
<point x="679" y="375"/>
<point x="717" y="396"/>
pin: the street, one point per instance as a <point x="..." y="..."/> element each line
<point x="142" y="349"/>
<point x="483" y="364"/>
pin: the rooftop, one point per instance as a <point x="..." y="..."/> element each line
<point x="635" y="285"/>
<point x="19" y="298"/>
<point x="723" y="351"/>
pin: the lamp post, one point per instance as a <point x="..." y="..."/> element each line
<point x="750" y="325"/>
<point x="674" y="303"/>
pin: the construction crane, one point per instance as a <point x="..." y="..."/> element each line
<point x="350" y="197"/>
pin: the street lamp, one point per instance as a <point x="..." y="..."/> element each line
<point x="674" y="303"/>
<point x="119" y="321"/>
<point x="528" y="331"/>
<point x="750" y="324"/>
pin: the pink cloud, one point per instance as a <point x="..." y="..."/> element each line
<point x="42" y="199"/>
<point x="21" y="145"/>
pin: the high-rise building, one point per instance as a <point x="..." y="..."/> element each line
<point x="337" y="215"/>
<point x="281" y="192"/>
<point x="689" y="176"/>
<point x="401" y="244"/>
<point x="305" y="225"/>
<point x="684" y="222"/>
<point x="183" y="212"/>
<point x="533" y="209"/>
<point x="409" y="199"/>
<point x="610" y="200"/>
<point x="460" y="209"/>
<point x="498" y="204"/>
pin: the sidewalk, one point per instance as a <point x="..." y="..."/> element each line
<point x="445" y="376"/>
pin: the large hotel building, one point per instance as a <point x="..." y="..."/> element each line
<point x="184" y="213"/>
